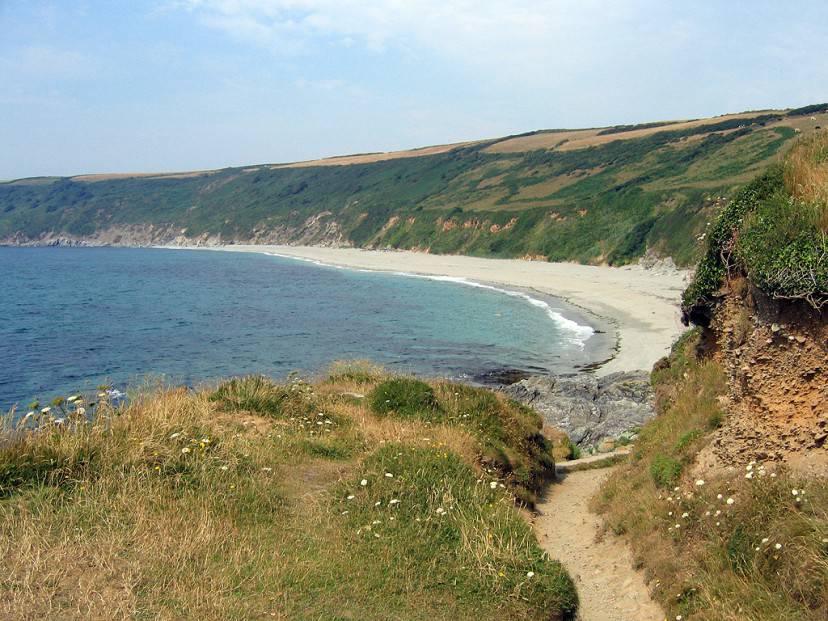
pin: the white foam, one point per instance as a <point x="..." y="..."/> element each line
<point x="575" y="332"/>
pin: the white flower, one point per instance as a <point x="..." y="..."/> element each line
<point x="493" y="484"/>
<point x="364" y="482"/>
<point x="749" y="475"/>
<point x="394" y="501"/>
<point x="675" y="489"/>
<point x="73" y="398"/>
<point x="678" y="526"/>
<point x="685" y="515"/>
<point x="224" y="468"/>
<point x="378" y="503"/>
<point x="530" y="574"/>
<point x="174" y="436"/>
<point x="46" y="410"/>
<point x="679" y="617"/>
<point x="266" y="469"/>
<point x="440" y="510"/>
<point x="764" y="539"/>
<point x="778" y="546"/>
<point x="28" y="415"/>
<point x="350" y="497"/>
<point x="81" y="411"/>
<point x="186" y="449"/>
<point x="795" y="492"/>
<point x="773" y="475"/>
<point x="388" y="475"/>
<point x="59" y="421"/>
<point x="719" y="496"/>
<point x="700" y="482"/>
<point x="730" y="501"/>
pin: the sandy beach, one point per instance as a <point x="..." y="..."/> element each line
<point x="641" y="304"/>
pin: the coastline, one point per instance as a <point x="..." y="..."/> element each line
<point x="639" y="304"/>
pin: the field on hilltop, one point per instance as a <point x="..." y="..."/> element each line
<point x="594" y="195"/>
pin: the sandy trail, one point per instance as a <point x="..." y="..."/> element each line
<point x="608" y="587"/>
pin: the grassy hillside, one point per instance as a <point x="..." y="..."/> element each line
<point x="599" y="195"/>
<point x="295" y="501"/>
<point x="738" y="544"/>
<point x="719" y="501"/>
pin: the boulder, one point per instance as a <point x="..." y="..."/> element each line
<point x="589" y="409"/>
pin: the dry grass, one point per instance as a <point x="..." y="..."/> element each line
<point x="806" y="174"/>
<point x="711" y="548"/>
<point x="232" y="504"/>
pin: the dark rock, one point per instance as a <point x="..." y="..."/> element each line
<point x="588" y="408"/>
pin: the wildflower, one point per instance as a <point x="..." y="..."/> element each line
<point x="440" y="510"/>
<point x="778" y="546"/>
<point x="719" y="496"/>
<point x="493" y="484"/>
<point x="174" y="436"/>
<point x="707" y="513"/>
<point x="364" y="482"/>
<point x="81" y="411"/>
<point x="350" y="497"/>
<point x="59" y="421"/>
<point x="718" y="523"/>
<point x="73" y="398"/>
<point x="28" y="415"/>
<point x="685" y="515"/>
<point x="375" y="522"/>
<point x="530" y="574"/>
<point x="225" y="467"/>
<point x="266" y="469"/>
<point x="730" y="501"/>
<point x="795" y="492"/>
<point x="205" y="440"/>
<point x="675" y="489"/>
<point x="749" y="475"/>
<point x="718" y="512"/>
<point x="669" y="514"/>
<point x="186" y="449"/>
<point x="394" y="501"/>
<point x="378" y="503"/>
<point x="764" y="539"/>
<point x="699" y="482"/>
<point x="773" y="475"/>
<point x="678" y="526"/>
<point x="46" y="410"/>
<point x="679" y="617"/>
<point x="388" y="475"/>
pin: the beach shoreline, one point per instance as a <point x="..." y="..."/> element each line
<point x="639" y="304"/>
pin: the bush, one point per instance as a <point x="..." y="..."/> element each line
<point x="260" y="395"/>
<point x="665" y="471"/>
<point x="403" y="396"/>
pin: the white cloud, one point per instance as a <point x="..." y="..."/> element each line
<point x="516" y="36"/>
<point x="47" y="62"/>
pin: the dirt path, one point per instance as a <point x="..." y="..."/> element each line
<point x="608" y="587"/>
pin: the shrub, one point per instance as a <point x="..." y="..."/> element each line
<point x="260" y="395"/>
<point x="665" y="471"/>
<point x="403" y="396"/>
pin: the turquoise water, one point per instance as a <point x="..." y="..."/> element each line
<point x="73" y="318"/>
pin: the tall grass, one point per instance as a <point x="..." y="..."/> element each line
<point x="806" y="176"/>
<point x="746" y="544"/>
<point x="247" y="502"/>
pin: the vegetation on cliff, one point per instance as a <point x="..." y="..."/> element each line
<point x="774" y="232"/>
<point x="585" y="195"/>
<point x="750" y="543"/>
<point x="294" y="501"/>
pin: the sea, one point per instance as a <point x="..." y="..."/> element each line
<point x="72" y="319"/>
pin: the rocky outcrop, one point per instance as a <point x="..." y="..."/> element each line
<point x="589" y="409"/>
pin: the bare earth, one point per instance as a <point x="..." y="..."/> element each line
<point x="641" y="304"/>
<point x="609" y="589"/>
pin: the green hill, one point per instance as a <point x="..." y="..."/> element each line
<point x="594" y="195"/>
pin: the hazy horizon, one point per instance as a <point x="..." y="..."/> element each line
<point x="168" y="85"/>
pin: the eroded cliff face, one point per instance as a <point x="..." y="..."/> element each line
<point x="776" y="356"/>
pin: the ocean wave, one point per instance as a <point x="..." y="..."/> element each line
<point x="573" y="331"/>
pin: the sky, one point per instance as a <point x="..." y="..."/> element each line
<point x="166" y="85"/>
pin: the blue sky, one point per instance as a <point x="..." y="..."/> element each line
<point x="158" y="85"/>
